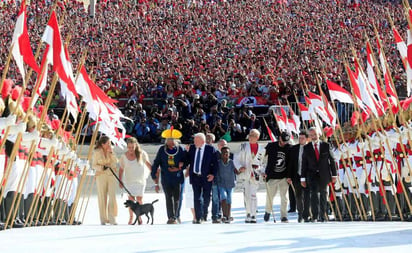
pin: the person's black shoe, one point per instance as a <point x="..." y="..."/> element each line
<point x="306" y="220"/>
<point x="285" y="220"/>
<point x="198" y="222"/>
<point x="314" y="220"/>
<point x="18" y="225"/>
<point x="292" y="211"/>
<point x="248" y="219"/>
<point x="216" y="221"/>
<point x="253" y="219"/>
<point x="347" y="218"/>
<point x="321" y="220"/>
<point x="171" y="221"/>
<point x="1" y="227"/>
<point x="266" y="217"/>
<point x="300" y="218"/>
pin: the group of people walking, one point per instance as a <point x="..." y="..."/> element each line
<point x="204" y="173"/>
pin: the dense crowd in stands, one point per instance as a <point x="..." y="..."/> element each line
<point x="195" y="60"/>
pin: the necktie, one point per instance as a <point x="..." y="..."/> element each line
<point x="316" y="151"/>
<point x="300" y="160"/>
<point x="197" y="163"/>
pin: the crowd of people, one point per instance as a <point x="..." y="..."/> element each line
<point x="188" y="57"/>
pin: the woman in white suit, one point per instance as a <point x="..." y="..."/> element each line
<point x="249" y="163"/>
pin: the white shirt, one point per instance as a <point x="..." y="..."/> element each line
<point x="315" y="144"/>
<point x="202" y="151"/>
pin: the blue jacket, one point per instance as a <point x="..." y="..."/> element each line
<point x="168" y="178"/>
<point x="209" y="162"/>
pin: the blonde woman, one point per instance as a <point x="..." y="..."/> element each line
<point x="134" y="170"/>
<point x="104" y="160"/>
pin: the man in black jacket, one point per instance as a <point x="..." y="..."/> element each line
<point x="276" y="174"/>
<point x="318" y="170"/>
<point x="295" y="171"/>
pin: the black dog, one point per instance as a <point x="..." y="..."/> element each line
<point x="141" y="209"/>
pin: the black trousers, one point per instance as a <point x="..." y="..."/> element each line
<point x="292" y="198"/>
<point x="318" y="200"/>
<point x="201" y="195"/>
<point x="302" y="198"/>
<point x="172" y="194"/>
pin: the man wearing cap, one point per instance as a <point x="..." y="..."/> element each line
<point x="318" y="170"/>
<point x="275" y="174"/>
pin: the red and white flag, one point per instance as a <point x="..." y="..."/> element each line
<point x="388" y="83"/>
<point x="294" y="122"/>
<point x="338" y="93"/>
<point x="22" y="52"/>
<point x="373" y="81"/>
<point x="405" y="52"/>
<point x="60" y="62"/>
<point x="271" y="135"/>
<point x="71" y="102"/>
<point x="304" y="112"/>
<point x="317" y="106"/>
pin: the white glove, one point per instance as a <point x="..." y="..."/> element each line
<point x="28" y="138"/>
<point x="19" y="128"/>
<point x="7" y="121"/>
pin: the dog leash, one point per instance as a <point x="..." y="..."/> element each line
<point x="120" y="181"/>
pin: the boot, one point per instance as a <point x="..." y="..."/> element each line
<point x="375" y="203"/>
<point x="340" y="205"/>
<point x="365" y="202"/>
<point x="229" y="211"/>
<point x="352" y="205"/>
<point x="224" y="210"/>
<point x="391" y="202"/>
<point x="401" y="198"/>
<point x="27" y="204"/>
<point x="43" y="214"/>
<point x="2" y="213"/>
<point x="8" y="201"/>
<point x="20" y="213"/>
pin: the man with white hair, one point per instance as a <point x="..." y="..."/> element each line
<point x="202" y="159"/>
<point x="248" y="163"/>
<point x="318" y="170"/>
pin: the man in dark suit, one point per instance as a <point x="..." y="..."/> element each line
<point x="301" y="195"/>
<point x="202" y="159"/>
<point x="318" y="170"/>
